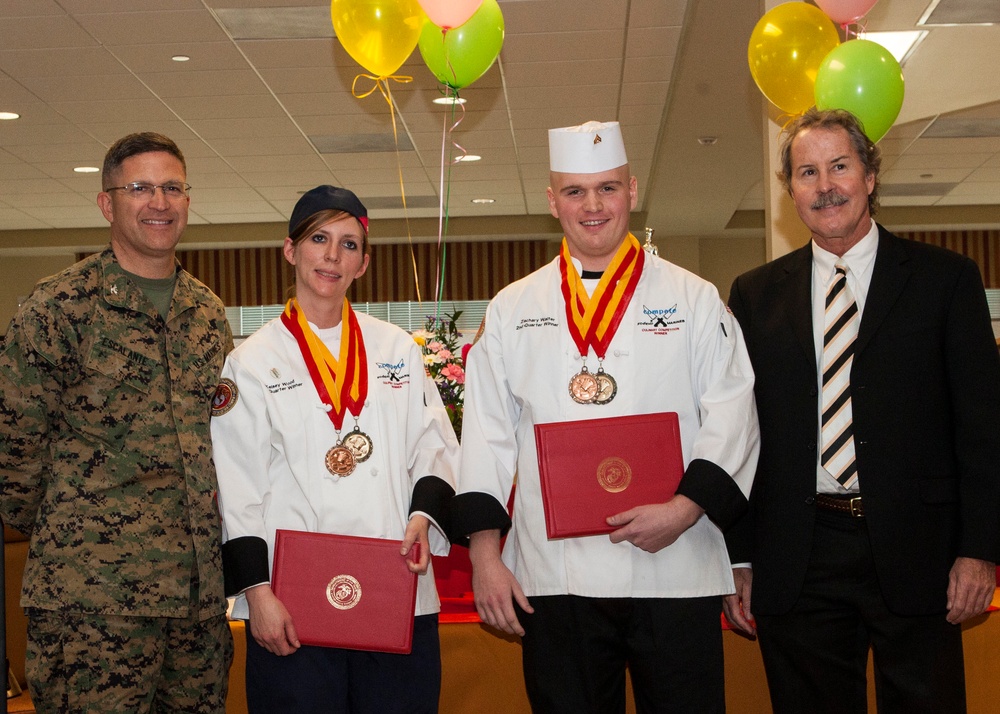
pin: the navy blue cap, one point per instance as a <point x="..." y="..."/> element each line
<point x="324" y="198"/>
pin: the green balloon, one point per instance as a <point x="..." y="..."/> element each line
<point x="864" y="78"/>
<point x="462" y="55"/>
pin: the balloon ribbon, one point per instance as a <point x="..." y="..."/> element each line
<point x="382" y="85"/>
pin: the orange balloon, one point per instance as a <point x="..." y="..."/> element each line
<point x="786" y="49"/>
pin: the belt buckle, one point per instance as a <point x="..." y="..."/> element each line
<point x="856" y="508"/>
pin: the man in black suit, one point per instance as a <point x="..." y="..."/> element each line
<point x="874" y="519"/>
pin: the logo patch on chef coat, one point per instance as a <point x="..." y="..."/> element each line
<point x="226" y="396"/>
<point x="393" y="374"/>
<point x="660" y="320"/>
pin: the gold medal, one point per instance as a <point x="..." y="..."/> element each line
<point x="360" y="445"/>
<point x="607" y="387"/>
<point x="583" y="387"/>
<point x="340" y="461"/>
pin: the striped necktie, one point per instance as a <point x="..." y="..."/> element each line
<point x="839" y="336"/>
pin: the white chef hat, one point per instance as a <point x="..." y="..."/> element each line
<point x="590" y="148"/>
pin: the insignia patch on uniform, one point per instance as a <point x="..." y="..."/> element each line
<point x="226" y="396"/>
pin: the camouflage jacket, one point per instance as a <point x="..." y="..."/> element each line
<point x="105" y="451"/>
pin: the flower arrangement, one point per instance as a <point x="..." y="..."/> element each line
<point x="439" y="343"/>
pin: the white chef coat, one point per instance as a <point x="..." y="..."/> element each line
<point x="270" y="448"/>
<point x="677" y="349"/>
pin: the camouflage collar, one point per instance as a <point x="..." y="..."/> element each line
<point x="121" y="292"/>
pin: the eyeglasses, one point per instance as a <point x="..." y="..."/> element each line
<point x="146" y="191"/>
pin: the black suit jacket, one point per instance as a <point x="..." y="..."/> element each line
<point x="925" y="387"/>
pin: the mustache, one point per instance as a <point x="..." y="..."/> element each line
<point x="830" y="199"/>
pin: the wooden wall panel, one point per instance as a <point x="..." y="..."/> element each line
<point x="983" y="246"/>
<point x="472" y="271"/>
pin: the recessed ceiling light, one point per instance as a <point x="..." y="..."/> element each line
<point x="86" y="169"/>
<point x="484" y="200"/>
<point x="900" y="44"/>
<point x="449" y="100"/>
<point x="468" y="157"/>
<point x="180" y="58"/>
<point x="708" y="140"/>
<point x="7" y="116"/>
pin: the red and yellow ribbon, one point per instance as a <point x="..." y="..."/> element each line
<point x="594" y="319"/>
<point x="342" y="383"/>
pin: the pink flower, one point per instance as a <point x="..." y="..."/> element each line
<point x="453" y="372"/>
<point x="445" y="355"/>
<point x="434" y="346"/>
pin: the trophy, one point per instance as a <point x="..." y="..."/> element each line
<point x="648" y="245"/>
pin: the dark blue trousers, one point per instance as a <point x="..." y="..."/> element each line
<point x="328" y="680"/>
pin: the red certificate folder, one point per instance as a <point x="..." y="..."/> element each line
<point x="346" y="591"/>
<point x="595" y="468"/>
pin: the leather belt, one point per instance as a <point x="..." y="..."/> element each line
<point x="847" y="505"/>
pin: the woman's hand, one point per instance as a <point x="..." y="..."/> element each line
<point x="417" y="531"/>
<point x="270" y="623"/>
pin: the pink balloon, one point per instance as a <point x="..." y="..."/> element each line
<point x="448" y="14"/>
<point x="845" y="11"/>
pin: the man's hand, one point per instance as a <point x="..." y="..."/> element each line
<point x="654" y="526"/>
<point x="971" y="584"/>
<point x="737" y="607"/>
<point x="270" y="623"/>
<point x="495" y="588"/>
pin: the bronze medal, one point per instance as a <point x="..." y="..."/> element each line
<point x="583" y="387"/>
<point x="360" y="445"/>
<point x="340" y="461"/>
<point x="607" y="387"/>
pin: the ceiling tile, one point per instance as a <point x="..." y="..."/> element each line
<point x="211" y="83"/>
<point x="203" y="56"/>
<point x="99" y="111"/>
<point x="59" y="62"/>
<point x="931" y="162"/>
<point x="265" y="127"/>
<point x="117" y="87"/>
<point x="551" y="46"/>
<point x="263" y="146"/>
<point x="155" y="27"/>
<point x="294" y="54"/>
<point x="30" y="8"/>
<point x="43" y="32"/>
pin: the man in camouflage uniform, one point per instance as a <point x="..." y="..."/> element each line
<point x="107" y="375"/>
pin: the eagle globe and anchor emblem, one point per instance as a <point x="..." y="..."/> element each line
<point x="614" y="474"/>
<point x="344" y="592"/>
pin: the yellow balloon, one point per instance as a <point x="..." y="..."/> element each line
<point x="786" y="49"/>
<point x="378" y="34"/>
